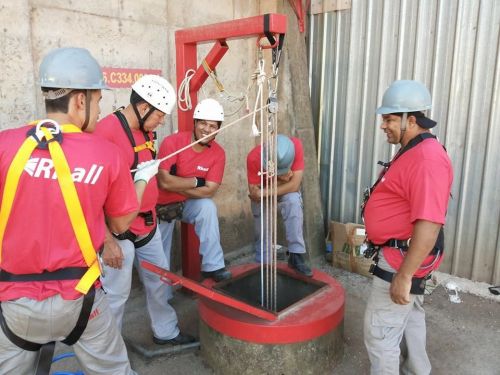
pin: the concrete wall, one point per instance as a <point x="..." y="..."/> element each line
<point x="132" y="34"/>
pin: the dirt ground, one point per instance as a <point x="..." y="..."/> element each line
<point x="462" y="338"/>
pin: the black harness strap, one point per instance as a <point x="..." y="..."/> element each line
<point x="130" y="136"/>
<point x="417" y="283"/>
<point x="128" y="235"/>
<point x="44" y="361"/>
<point x="47" y="349"/>
<point x="83" y="319"/>
<point x="276" y="53"/>
<point x="405" y="244"/>
<point x="415" y="141"/>
<point x="68" y="273"/>
<point x="145" y="240"/>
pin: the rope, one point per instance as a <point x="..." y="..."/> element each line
<point x="243" y="97"/>
<point x="205" y="137"/>
<point x="183" y="92"/>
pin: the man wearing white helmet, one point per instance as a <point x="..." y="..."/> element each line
<point x="131" y="129"/>
<point x="290" y="170"/>
<point x="404" y="212"/>
<point x="52" y="171"/>
<point x="189" y="180"/>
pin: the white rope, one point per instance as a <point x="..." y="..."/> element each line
<point x="205" y="137"/>
<point x="261" y="77"/>
<point x="183" y="94"/>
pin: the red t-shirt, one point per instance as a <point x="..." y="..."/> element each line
<point x="39" y="235"/>
<point x="253" y="161"/>
<point x="208" y="164"/>
<point x="110" y="128"/>
<point x="416" y="187"/>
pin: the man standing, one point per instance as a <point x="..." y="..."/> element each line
<point x="131" y="129"/>
<point x="58" y="186"/>
<point x="189" y="180"/>
<point x="404" y="214"/>
<point x="290" y="169"/>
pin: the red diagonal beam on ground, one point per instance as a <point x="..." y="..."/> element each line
<point x="207" y="292"/>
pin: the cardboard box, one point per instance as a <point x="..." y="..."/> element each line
<point x="348" y="247"/>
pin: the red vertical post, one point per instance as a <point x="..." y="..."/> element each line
<point x="186" y="59"/>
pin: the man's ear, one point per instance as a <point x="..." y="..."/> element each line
<point x="79" y="100"/>
<point x="412" y="120"/>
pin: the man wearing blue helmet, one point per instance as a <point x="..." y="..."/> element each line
<point x="404" y="212"/>
<point x="290" y="170"/>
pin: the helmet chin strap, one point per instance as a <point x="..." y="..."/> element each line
<point x="142" y="120"/>
<point x="87" y="110"/>
<point x="404" y="120"/>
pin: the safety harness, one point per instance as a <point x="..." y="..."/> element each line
<point x="149" y="145"/>
<point x="43" y="136"/>
<point x="373" y="250"/>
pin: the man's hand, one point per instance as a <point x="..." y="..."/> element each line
<point x="112" y="255"/>
<point x="255" y="193"/>
<point x="146" y="170"/>
<point x="400" y="289"/>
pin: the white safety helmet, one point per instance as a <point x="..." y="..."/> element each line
<point x="156" y="91"/>
<point x="69" y="69"/>
<point x="405" y="96"/>
<point x="209" y="109"/>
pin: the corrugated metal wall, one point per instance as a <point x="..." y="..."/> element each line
<point x="453" y="47"/>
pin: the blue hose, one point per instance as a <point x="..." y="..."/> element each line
<point x="63" y="356"/>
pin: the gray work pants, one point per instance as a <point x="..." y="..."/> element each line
<point x="388" y="325"/>
<point x="291" y="209"/>
<point x="117" y="284"/>
<point x="99" y="351"/>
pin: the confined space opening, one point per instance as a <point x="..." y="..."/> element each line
<point x="290" y="289"/>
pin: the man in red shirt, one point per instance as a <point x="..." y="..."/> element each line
<point x="59" y="185"/>
<point x="131" y="130"/>
<point x="404" y="214"/>
<point x="290" y="159"/>
<point x="189" y="180"/>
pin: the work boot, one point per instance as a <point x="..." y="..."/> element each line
<point x="281" y="252"/>
<point x="180" y="339"/>
<point x="296" y="261"/>
<point x="217" y="275"/>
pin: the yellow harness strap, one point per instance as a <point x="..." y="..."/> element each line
<point x="70" y="196"/>
<point x="146" y="145"/>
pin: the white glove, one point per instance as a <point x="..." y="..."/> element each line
<point x="146" y="170"/>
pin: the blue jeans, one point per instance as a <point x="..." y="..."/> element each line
<point x="202" y="213"/>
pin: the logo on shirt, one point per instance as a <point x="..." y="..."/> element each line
<point x="200" y="168"/>
<point x="44" y="168"/>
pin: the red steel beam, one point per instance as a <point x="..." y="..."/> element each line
<point x="213" y="57"/>
<point x="207" y="292"/>
<point x="245" y="27"/>
<point x="186" y="41"/>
